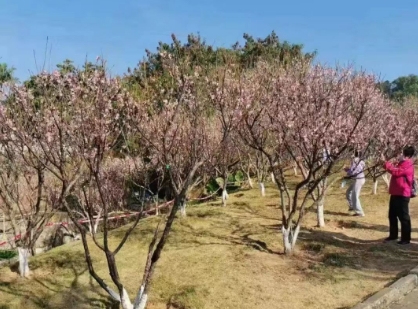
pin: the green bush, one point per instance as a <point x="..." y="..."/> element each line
<point x="239" y="176"/>
<point x="212" y="186"/>
<point x="7" y="254"/>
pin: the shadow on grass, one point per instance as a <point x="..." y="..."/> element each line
<point x="336" y="213"/>
<point x="50" y="292"/>
<point x="363" y="226"/>
<point x="364" y="255"/>
<point x="237" y="237"/>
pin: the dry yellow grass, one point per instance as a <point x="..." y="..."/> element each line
<point x="231" y="258"/>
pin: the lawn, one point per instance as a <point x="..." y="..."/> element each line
<point x="231" y="258"/>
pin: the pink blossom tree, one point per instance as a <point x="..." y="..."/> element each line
<point x="73" y="126"/>
<point x="181" y="132"/>
<point x="223" y="163"/>
<point x="400" y="130"/>
<point x="262" y="168"/>
<point x="300" y="111"/>
<point x="246" y="163"/>
<point x="23" y="199"/>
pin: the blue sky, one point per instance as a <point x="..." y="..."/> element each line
<point x="380" y="36"/>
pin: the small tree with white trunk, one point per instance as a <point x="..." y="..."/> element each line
<point x="297" y="112"/>
<point x="24" y="187"/>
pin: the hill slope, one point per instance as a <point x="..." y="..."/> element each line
<point x="231" y="258"/>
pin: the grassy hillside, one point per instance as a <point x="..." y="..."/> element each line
<point x="231" y="258"/>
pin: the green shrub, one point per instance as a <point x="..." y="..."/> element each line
<point x="212" y="186"/>
<point x="7" y="254"/>
<point x="239" y="176"/>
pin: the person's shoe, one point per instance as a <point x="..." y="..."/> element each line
<point x="403" y="242"/>
<point x="358" y="215"/>
<point x="390" y="239"/>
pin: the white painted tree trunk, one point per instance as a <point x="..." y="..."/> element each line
<point x="262" y="189"/>
<point x="289" y="239"/>
<point x="23" y="262"/>
<point x="320" y="209"/>
<point x="320" y="213"/>
<point x="157" y="210"/>
<point x="375" y="183"/>
<point x="183" y="209"/>
<point x="272" y="178"/>
<point x="89" y="226"/>
<point x="125" y="302"/>
<point x="96" y="224"/>
<point x="224" y="196"/>
<point x="295" y="236"/>
<point x="287" y="244"/>
<point x="286" y="240"/>
<point x="141" y="299"/>
<point x="386" y="179"/>
<point x="250" y="182"/>
<point x="295" y="169"/>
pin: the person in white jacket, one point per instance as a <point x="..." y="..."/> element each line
<point x="356" y="174"/>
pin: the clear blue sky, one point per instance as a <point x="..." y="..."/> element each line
<point x="379" y="35"/>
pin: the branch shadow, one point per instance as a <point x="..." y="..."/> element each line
<point x="360" y="225"/>
<point x="49" y="293"/>
<point x="364" y="255"/>
<point x="238" y="237"/>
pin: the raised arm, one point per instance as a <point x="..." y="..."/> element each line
<point x="395" y="170"/>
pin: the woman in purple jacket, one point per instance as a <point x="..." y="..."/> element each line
<point x="356" y="174"/>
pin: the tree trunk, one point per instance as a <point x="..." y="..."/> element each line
<point x="224" y="196"/>
<point x="375" y="182"/>
<point x="183" y="209"/>
<point x="320" y="208"/>
<point x="23" y="262"/>
<point x="286" y="240"/>
<point x="224" y="191"/>
<point x="4" y="227"/>
<point x="295" y="235"/>
<point x="272" y="178"/>
<point x="295" y="169"/>
<point x="289" y="239"/>
<point x="262" y="189"/>
<point x="386" y="178"/>
<point x="140" y="301"/>
<point x="157" y="210"/>
<point x="250" y="182"/>
<point x="320" y="213"/>
<point x="125" y="302"/>
<point x="96" y="224"/>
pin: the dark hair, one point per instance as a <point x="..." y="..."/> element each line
<point x="357" y="154"/>
<point x="409" y="151"/>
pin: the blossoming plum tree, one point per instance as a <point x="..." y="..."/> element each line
<point x="297" y="112"/>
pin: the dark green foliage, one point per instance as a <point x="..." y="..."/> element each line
<point x="212" y="186"/>
<point x="7" y="254"/>
<point x="6" y="73"/>
<point x="199" y="53"/>
<point x="269" y="48"/>
<point x="239" y="176"/>
<point x="401" y="88"/>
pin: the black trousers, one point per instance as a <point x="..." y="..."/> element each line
<point x="399" y="209"/>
